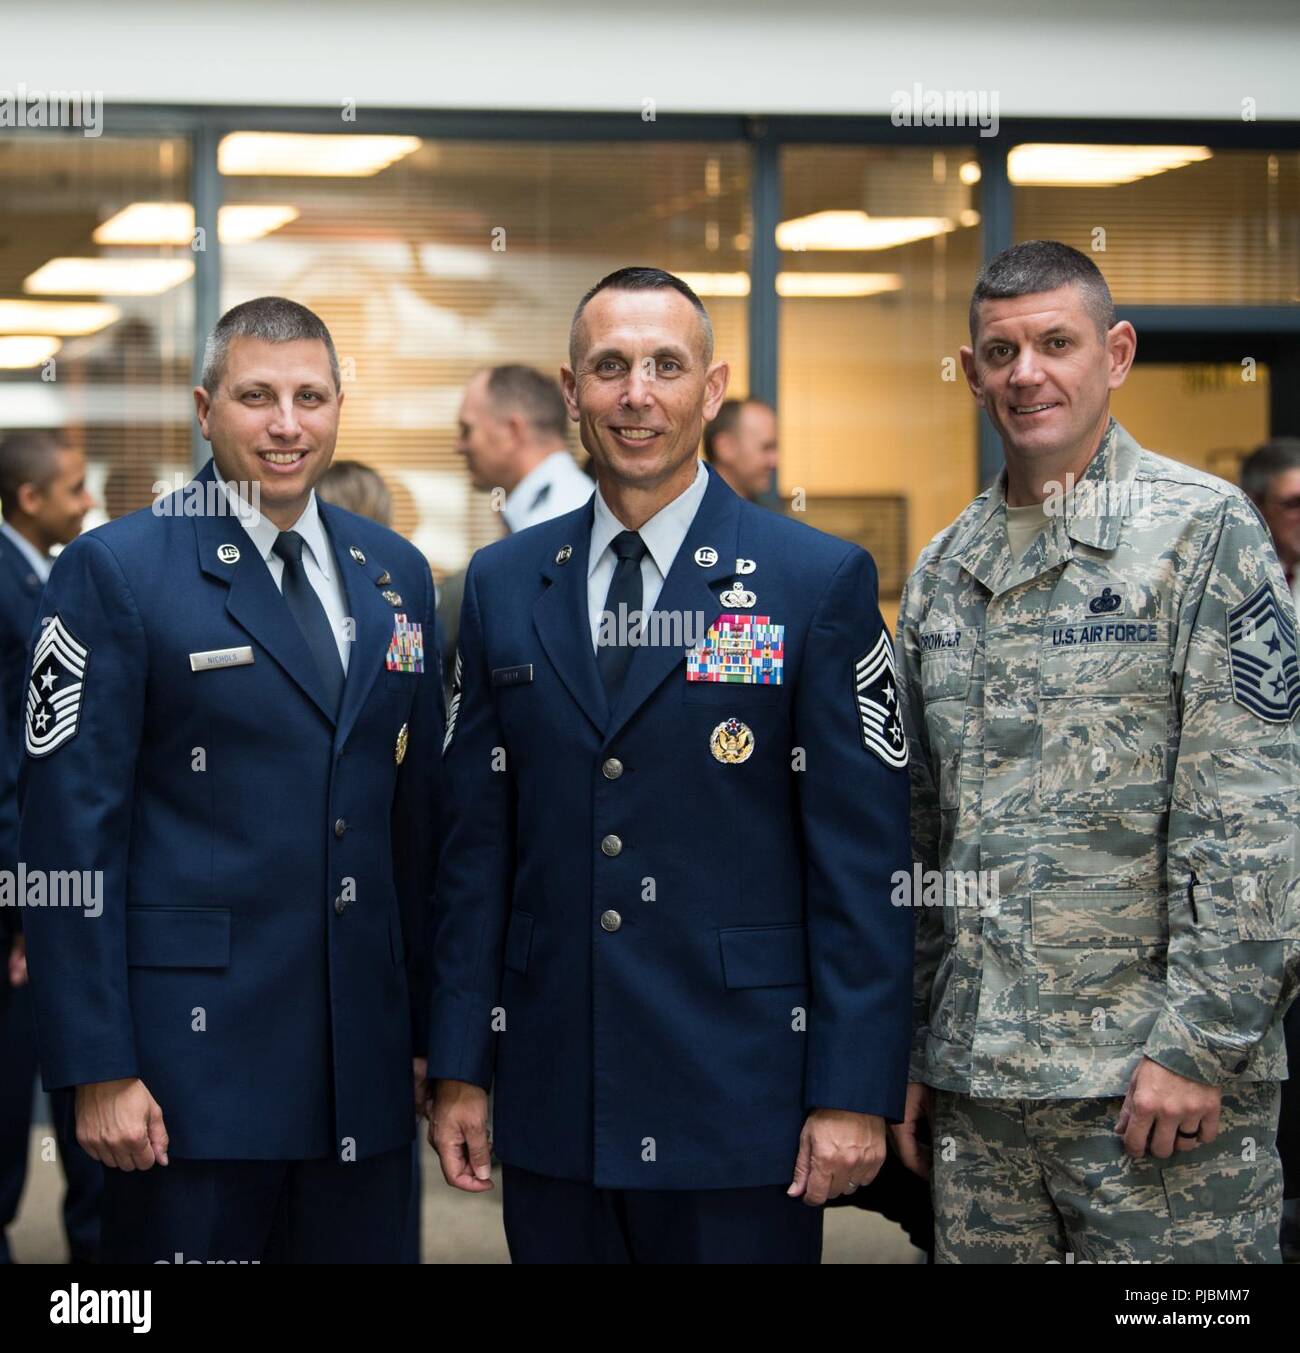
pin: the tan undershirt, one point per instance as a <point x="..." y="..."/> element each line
<point x="1023" y="526"/>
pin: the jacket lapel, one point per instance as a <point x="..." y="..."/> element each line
<point x="560" y="614"/>
<point x="253" y="600"/>
<point x="372" y="617"/>
<point x="690" y="592"/>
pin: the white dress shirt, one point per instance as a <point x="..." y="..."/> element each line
<point x="663" y="535"/>
<point x="317" y="558"/>
<point x="41" y="563"/>
<point x="550" y="489"/>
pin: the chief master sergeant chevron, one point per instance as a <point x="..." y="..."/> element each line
<point x="1099" y="670"/>
<point x="663" y="925"/>
<point x="236" y="718"/>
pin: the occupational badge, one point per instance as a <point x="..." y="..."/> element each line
<point x="738" y="597"/>
<point x="875" y="688"/>
<point x="399" y="752"/>
<point x="406" y="647"/>
<point x="54" y="693"/>
<point x="391" y="597"/>
<point x="748" y="650"/>
<point x="1262" y="657"/>
<point x="731" y="742"/>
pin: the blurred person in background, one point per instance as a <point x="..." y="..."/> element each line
<point x="1270" y="477"/>
<point x="512" y="429"/>
<point x="741" y="444"/>
<point x="356" y="487"/>
<point x="44" y="498"/>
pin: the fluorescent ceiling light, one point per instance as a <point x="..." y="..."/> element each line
<point x="24" y="350"/>
<point x="173" y="223"/>
<point x="717" y="283"/>
<point x="796" y="284"/>
<point x="1044" y="165"/>
<point x="71" y="319"/>
<point x="836" y="284"/>
<point x="970" y="172"/>
<point x="108" y="276"/>
<point x="334" y="155"/>
<point x="856" y="230"/>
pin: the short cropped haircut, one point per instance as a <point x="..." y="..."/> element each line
<point x="1265" y="463"/>
<point x="27" y="457"/>
<point x="524" y="390"/>
<point x="1043" y="265"/>
<point x="727" y="419"/>
<point x="643" y="279"/>
<point x="356" y="487"/>
<point x="273" y="319"/>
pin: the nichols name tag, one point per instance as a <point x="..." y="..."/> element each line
<point x="220" y="657"/>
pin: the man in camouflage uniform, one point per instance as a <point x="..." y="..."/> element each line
<point x="1104" y="762"/>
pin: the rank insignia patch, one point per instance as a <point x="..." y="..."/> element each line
<point x="875" y="687"/>
<point x="453" y="709"/>
<point x="745" y="649"/>
<point x="1262" y="657"/>
<point x="406" y="647"/>
<point x="731" y="742"/>
<point x="54" y="695"/>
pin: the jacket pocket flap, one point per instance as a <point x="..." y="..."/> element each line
<point x="1098" y="918"/>
<point x="178" y="937"/>
<point x="764" y="956"/>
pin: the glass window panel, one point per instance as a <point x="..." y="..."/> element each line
<point x="872" y="401"/>
<point x="464" y="254"/>
<point x="120" y="376"/>
<point x="1220" y="229"/>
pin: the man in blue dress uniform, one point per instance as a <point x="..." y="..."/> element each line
<point x="233" y="726"/>
<point x="664" y="934"/>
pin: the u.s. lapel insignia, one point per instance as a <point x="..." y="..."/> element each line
<point x="406" y="647"/>
<point x="737" y="597"/>
<point x="356" y="554"/>
<point x="706" y="556"/>
<point x="564" y="554"/>
<point x="384" y="579"/>
<point x="875" y="687"/>
<point x="399" y="752"/>
<point x="54" y="692"/>
<point x="228" y="554"/>
<point x="731" y="742"/>
<point x="392" y="598"/>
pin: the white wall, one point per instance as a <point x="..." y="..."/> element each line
<point x="1102" y="58"/>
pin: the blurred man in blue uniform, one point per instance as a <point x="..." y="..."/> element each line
<point x="664" y="933"/>
<point x="45" y="500"/>
<point x="232" y="735"/>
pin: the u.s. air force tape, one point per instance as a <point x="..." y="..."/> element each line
<point x="54" y="692"/>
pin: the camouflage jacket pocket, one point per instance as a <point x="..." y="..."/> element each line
<point x="1258" y="790"/>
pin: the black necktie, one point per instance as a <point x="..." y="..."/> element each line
<point x="624" y="597"/>
<point x="305" y="607"/>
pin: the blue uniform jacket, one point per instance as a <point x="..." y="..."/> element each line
<point x="20" y="594"/>
<point x="758" y="968"/>
<point x="264" y="870"/>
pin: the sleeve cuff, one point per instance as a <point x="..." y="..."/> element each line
<point x="1188" y="1051"/>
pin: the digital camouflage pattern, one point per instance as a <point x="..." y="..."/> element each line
<point x="1047" y="1182"/>
<point x="1073" y="731"/>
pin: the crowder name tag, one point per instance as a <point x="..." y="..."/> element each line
<point x="406" y="647"/>
<point x="746" y="650"/>
<point x="221" y="657"/>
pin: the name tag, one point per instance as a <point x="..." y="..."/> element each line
<point x="221" y="657"/>
<point x="513" y="676"/>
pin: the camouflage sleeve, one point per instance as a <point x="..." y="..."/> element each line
<point x="1232" y="862"/>
<point x="924" y="817"/>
